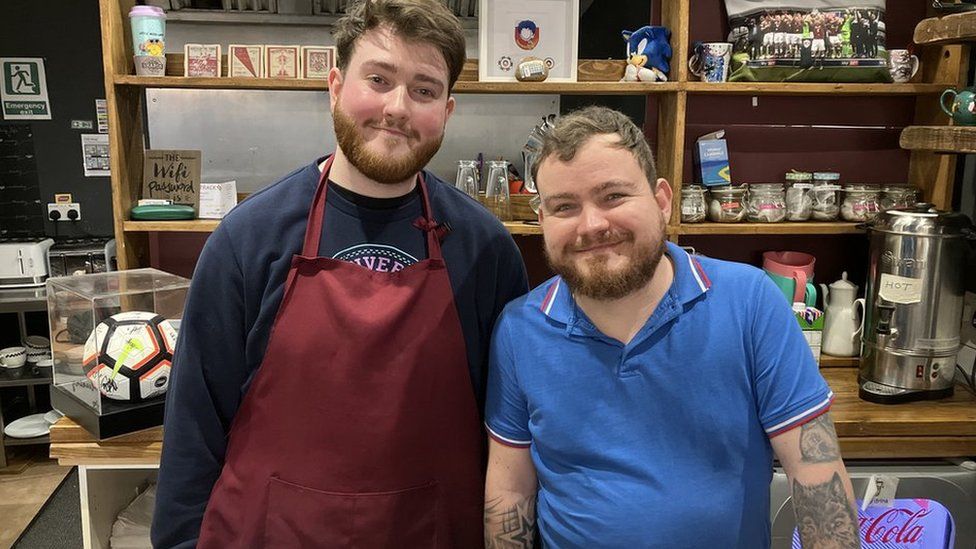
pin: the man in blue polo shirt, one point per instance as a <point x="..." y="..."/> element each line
<point x="638" y="398"/>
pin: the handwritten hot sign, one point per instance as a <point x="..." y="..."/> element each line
<point x="174" y="175"/>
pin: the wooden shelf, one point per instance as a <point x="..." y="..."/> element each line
<point x="208" y="225"/>
<point x="800" y="88"/>
<point x="828" y="361"/>
<point x="951" y="29"/>
<point x="935" y="428"/>
<point x="188" y="226"/>
<point x="949" y="139"/>
<point x="227" y="17"/>
<point x="522" y="228"/>
<point x="12" y="441"/>
<point x="808" y="227"/>
<point x="563" y="88"/>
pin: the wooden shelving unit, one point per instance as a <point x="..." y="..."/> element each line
<point x="945" y="139"/>
<point x="811" y="227"/>
<point x="951" y="29"/>
<point x="942" y="67"/>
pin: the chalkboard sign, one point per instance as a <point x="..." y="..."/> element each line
<point x="174" y="175"/>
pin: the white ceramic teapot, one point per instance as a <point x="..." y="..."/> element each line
<point x="842" y="321"/>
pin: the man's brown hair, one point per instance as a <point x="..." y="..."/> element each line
<point x="426" y="21"/>
<point x="573" y="130"/>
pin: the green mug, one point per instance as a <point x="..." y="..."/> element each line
<point x="787" y="285"/>
<point x="963" y="108"/>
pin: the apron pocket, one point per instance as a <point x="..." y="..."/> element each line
<point x="304" y="517"/>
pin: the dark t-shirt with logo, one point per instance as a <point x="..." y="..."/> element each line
<point x="376" y="233"/>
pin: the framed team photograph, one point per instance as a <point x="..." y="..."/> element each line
<point x="282" y="61"/>
<point x="201" y="60"/>
<point x="317" y="61"/>
<point x="512" y="30"/>
<point x="245" y="61"/>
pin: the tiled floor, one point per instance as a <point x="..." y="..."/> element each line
<point x="23" y="494"/>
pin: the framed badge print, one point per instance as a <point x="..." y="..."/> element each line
<point x="282" y="61"/>
<point x="511" y="30"/>
<point x="245" y="61"/>
<point x="317" y="61"/>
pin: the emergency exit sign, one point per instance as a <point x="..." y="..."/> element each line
<point x="23" y="90"/>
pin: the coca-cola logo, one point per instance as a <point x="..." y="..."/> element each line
<point x="896" y="525"/>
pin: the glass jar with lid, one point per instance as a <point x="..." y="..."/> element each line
<point x="692" y="204"/>
<point x="727" y="204"/>
<point x="767" y="203"/>
<point x="861" y="202"/>
<point x="898" y="196"/>
<point x="799" y="203"/>
<point x="825" y="194"/>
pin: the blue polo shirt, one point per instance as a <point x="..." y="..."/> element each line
<point x="663" y="442"/>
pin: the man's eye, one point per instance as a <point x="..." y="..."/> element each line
<point x="377" y="79"/>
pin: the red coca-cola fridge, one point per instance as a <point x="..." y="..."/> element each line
<point x="933" y="507"/>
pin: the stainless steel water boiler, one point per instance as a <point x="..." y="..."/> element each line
<point x="916" y="282"/>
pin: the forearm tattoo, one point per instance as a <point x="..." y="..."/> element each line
<point x="824" y="515"/>
<point x="818" y="441"/>
<point x="510" y="527"/>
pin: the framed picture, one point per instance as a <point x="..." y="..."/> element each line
<point x="245" y="61"/>
<point x="282" y="61"/>
<point x="317" y="61"/>
<point x="201" y="60"/>
<point x="511" y="30"/>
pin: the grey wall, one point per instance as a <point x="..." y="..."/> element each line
<point x="66" y="34"/>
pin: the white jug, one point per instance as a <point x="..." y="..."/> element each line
<point x="842" y="321"/>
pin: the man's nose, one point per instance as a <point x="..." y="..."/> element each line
<point x="396" y="108"/>
<point x="593" y="221"/>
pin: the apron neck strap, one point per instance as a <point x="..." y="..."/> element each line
<point x="316" y="215"/>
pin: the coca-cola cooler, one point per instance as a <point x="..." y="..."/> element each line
<point x="934" y="506"/>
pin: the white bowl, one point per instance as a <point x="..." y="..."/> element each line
<point x="13" y="357"/>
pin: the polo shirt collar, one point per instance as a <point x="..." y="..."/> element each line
<point x="690" y="282"/>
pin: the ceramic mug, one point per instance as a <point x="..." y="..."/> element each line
<point x="963" y="108"/>
<point x="902" y="65"/>
<point x="711" y="60"/>
<point x="13" y="357"/>
<point x="792" y="272"/>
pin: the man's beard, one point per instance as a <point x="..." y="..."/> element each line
<point x="382" y="169"/>
<point x="599" y="282"/>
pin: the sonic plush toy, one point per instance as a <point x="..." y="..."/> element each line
<point x="648" y="54"/>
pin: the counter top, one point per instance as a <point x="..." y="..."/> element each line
<point x="939" y="428"/>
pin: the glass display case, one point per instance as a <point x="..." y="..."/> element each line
<point x="112" y="339"/>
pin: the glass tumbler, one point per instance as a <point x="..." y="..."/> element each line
<point x="497" y="197"/>
<point x="467" y="178"/>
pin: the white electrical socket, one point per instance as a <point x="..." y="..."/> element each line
<point x="64" y="211"/>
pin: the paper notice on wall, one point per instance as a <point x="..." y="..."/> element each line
<point x="94" y="147"/>
<point x="101" y="115"/>
<point x="900" y="289"/>
<point x="23" y="91"/>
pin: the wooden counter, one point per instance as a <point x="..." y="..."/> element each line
<point x="943" y="428"/>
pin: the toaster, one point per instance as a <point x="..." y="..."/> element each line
<point x="23" y="262"/>
<point x="74" y="256"/>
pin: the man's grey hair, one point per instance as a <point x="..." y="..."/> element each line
<point x="573" y="130"/>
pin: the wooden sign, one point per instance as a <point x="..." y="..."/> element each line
<point x="174" y="175"/>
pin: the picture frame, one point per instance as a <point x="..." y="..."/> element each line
<point x="282" y="61"/>
<point x="201" y="60"/>
<point x="245" y="61"/>
<point x="317" y="61"/>
<point x="511" y="30"/>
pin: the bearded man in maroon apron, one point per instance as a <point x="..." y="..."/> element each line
<point x="331" y="363"/>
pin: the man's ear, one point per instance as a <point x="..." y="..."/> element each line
<point x="663" y="195"/>
<point x="335" y="86"/>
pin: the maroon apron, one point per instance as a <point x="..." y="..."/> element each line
<point x="360" y="428"/>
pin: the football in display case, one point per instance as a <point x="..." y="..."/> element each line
<point x="113" y="336"/>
